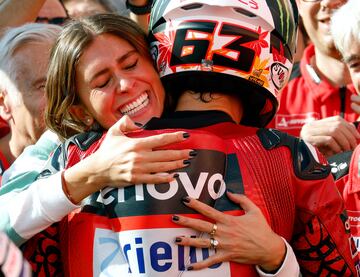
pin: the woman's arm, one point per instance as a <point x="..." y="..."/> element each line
<point x="18" y="12"/>
<point x="28" y="206"/>
<point x="141" y="19"/>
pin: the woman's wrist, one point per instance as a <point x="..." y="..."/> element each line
<point x="139" y="7"/>
<point x="277" y="254"/>
<point x="81" y="180"/>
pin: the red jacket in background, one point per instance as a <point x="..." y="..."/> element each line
<point x="306" y="98"/>
<point x="4" y="164"/>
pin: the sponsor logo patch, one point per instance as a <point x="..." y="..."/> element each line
<point x="279" y="74"/>
<point x="294" y="121"/>
<point x="149" y="252"/>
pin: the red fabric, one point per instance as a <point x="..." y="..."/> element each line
<point x="4" y="164"/>
<point x="309" y="213"/>
<point x="303" y="99"/>
<point x="4" y="130"/>
<point x="350" y="188"/>
<point x="4" y="127"/>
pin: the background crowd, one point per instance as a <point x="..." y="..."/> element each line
<point x="85" y="115"/>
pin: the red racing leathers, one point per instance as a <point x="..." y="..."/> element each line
<point x="346" y="170"/>
<point x="307" y="97"/>
<point x="129" y="231"/>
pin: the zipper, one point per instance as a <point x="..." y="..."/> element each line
<point x="342" y="101"/>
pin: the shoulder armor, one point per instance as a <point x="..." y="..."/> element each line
<point x="59" y="158"/>
<point x="305" y="165"/>
<point x="84" y="140"/>
<point x="339" y="164"/>
<point x="54" y="163"/>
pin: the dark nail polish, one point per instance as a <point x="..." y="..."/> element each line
<point x="190" y="268"/>
<point x="186" y="162"/>
<point x="176" y="175"/>
<point x="175" y="218"/>
<point x="193" y="153"/>
<point x="186" y="135"/>
<point x="178" y="240"/>
<point x="186" y="199"/>
<point x="138" y="124"/>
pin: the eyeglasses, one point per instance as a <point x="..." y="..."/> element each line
<point x="54" y="20"/>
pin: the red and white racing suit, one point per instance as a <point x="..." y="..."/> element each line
<point x="129" y="232"/>
<point x="307" y="97"/>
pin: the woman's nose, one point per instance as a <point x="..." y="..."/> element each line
<point x="125" y="84"/>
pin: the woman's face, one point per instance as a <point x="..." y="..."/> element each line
<point x="113" y="80"/>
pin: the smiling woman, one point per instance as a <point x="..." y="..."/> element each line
<point x="113" y="77"/>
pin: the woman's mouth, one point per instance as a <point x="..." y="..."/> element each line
<point x="141" y="102"/>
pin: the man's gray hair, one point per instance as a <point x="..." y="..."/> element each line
<point x="16" y="37"/>
<point x="345" y="26"/>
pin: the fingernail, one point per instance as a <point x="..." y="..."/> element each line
<point x="178" y="240"/>
<point x="138" y="124"/>
<point x="193" y="153"/>
<point x="176" y="175"/>
<point x="186" y="162"/>
<point x="186" y="135"/>
<point x="190" y="268"/>
<point x="175" y="218"/>
<point x="186" y="199"/>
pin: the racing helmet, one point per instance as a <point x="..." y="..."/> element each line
<point x="242" y="47"/>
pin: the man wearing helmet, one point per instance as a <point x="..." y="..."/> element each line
<point x="234" y="57"/>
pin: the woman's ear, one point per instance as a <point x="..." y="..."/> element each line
<point x="81" y="113"/>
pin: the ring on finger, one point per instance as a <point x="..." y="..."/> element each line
<point x="213" y="230"/>
<point x="213" y="243"/>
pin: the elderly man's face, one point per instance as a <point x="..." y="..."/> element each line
<point x="352" y="59"/>
<point x="27" y="111"/>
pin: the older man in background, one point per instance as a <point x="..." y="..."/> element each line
<point x="24" y="57"/>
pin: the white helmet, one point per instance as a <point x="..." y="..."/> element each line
<point x="243" y="47"/>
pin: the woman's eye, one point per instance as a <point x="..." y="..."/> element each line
<point x="103" y="84"/>
<point x="131" y="65"/>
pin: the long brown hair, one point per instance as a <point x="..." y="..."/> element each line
<point x="76" y="36"/>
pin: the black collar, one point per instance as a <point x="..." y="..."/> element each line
<point x="188" y="120"/>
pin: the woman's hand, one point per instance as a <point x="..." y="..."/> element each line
<point x="246" y="239"/>
<point x="122" y="161"/>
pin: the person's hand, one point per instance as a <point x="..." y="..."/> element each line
<point x="246" y="239"/>
<point x="331" y="135"/>
<point x="355" y="103"/>
<point x="122" y="161"/>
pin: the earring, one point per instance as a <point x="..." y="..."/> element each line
<point x="88" y="121"/>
